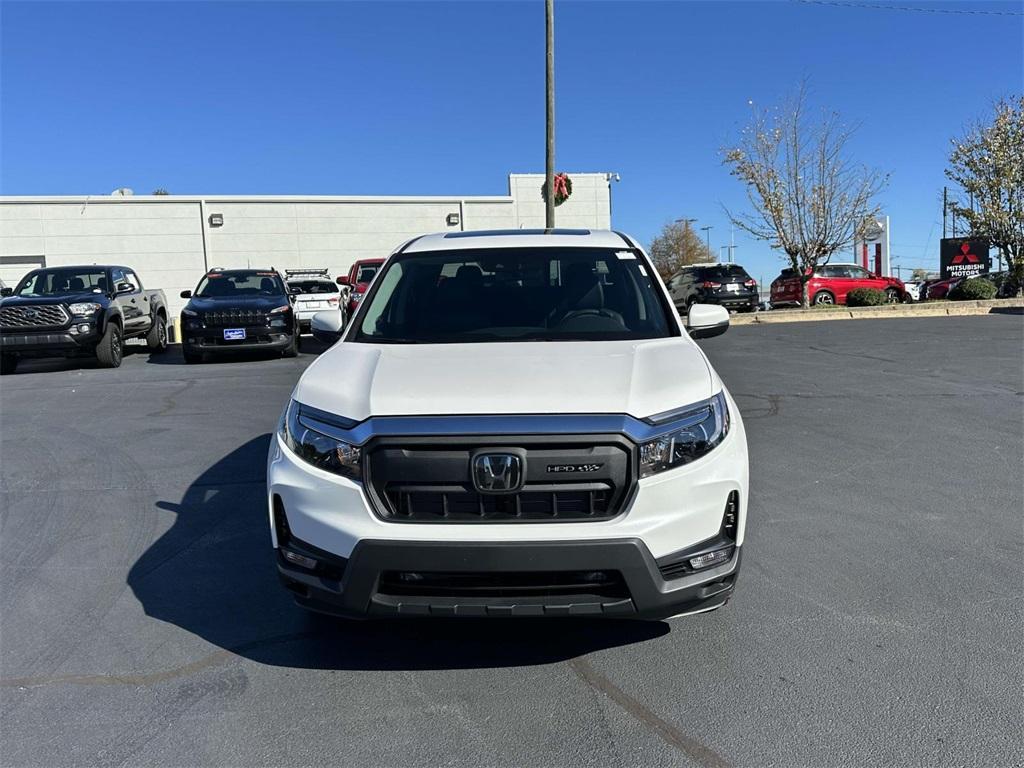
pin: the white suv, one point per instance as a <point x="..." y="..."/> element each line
<point x="515" y="423"/>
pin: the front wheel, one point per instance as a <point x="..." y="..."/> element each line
<point x="8" y="364"/>
<point x="824" y="298"/>
<point x="111" y="347"/>
<point x="892" y="295"/>
<point x="292" y="350"/>
<point x="156" y="339"/>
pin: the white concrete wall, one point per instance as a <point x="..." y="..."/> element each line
<point x="589" y="206"/>
<point x="168" y="239"/>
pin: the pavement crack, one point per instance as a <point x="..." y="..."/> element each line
<point x="171" y="400"/>
<point x="139" y="679"/>
<point x="699" y="753"/>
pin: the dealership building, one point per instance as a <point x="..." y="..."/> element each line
<point x="172" y="240"/>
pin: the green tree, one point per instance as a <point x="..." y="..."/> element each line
<point x="988" y="165"/>
<point x="677" y="245"/>
<point x="808" y="198"/>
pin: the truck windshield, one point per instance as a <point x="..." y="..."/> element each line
<point x="365" y="274"/>
<point x="51" y="282"/>
<point x="240" y="282"/>
<point x="515" y="294"/>
<point x="312" y="286"/>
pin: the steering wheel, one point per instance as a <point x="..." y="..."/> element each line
<point x="608" y="314"/>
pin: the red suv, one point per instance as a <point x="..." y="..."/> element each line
<point x="359" y="277"/>
<point x="831" y="283"/>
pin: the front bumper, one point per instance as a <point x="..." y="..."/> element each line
<point x="211" y="340"/>
<point x="54" y="342"/>
<point x="361" y="586"/>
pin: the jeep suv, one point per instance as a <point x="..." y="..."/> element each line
<point x="514" y="423"/>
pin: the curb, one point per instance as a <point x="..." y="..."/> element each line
<point x="927" y="309"/>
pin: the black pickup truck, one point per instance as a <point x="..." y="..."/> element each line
<point x="88" y="310"/>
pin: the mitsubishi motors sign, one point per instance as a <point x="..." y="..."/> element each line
<point x="963" y="257"/>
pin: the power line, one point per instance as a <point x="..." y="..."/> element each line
<point x="879" y="7"/>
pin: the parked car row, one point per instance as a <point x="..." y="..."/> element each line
<point x="92" y="310"/>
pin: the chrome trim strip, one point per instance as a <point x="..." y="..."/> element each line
<point x="638" y="430"/>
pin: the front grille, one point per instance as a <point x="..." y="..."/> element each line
<point x="465" y="505"/>
<point x="429" y="480"/>
<point x="234" y="318"/>
<point x="34" y="316"/>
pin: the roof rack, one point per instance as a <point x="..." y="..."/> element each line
<point x="313" y="272"/>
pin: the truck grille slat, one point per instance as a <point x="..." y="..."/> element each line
<point x="230" y="318"/>
<point x="34" y="316"/>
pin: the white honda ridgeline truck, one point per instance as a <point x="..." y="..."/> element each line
<point x="514" y="423"/>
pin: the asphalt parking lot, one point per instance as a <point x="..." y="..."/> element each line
<point x="878" y="618"/>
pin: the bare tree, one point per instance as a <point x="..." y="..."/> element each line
<point x="808" y="198"/>
<point x="988" y="164"/>
<point x="675" y="246"/>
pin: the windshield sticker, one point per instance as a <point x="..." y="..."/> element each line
<point x="643" y="271"/>
<point x="625" y="255"/>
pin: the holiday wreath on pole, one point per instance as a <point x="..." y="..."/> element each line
<point x="563" y="188"/>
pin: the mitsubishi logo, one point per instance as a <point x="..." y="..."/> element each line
<point x="497" y="472"/>
<point x="965" y="253"/>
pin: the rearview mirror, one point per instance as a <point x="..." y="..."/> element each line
<point x="327" y="326"/>
<point x="6" y="291"/>
<point x="706" y="320"/>
<point x="186" y="294"/>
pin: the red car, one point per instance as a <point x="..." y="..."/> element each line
<point x="831" y="283"/>
<point x="358" y="279"/>
<point x="939" y="289"/>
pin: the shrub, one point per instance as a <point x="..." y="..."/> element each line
<point x="865" y="297"/>
<point x="972" y="289"/>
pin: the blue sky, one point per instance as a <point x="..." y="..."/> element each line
<point x="447" y="98"/>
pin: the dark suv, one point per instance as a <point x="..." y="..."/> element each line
<point x="725" y="284"/>
<point x="238" y="309"/>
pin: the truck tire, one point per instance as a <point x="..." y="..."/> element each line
<point x="156" y="339"/>
<point x="8" y="364"/>
<point x="111" y="347"/>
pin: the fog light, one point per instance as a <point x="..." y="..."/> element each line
<point x="710" y="558"/>
<point x="83" y="328"/>
<point x="410" y="577"/>
<point x="73" y="330"/>
<point x="300" y="560"/>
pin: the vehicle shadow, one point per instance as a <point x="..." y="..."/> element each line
<point x="30" y="365"/>
<point x="213" y="574"/>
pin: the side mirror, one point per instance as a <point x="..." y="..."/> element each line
<point x="707" y="320"/>
<point x="125" y="288"/>
<point x="6" y="291"/>
<point x="186" y="294"/>
<point x="327" y="326"/>
<point x="343" y="280"/>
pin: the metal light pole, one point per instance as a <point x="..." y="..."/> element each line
<point x="707" y="230"/>
<point x="686" y="223"/>
<point x="549" y="162"/>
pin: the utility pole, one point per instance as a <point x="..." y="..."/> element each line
<point x="707" y="230"/>
<point x="945" y="206"/>
<point x="732" y="244"/>
<point x="549" y="161"/>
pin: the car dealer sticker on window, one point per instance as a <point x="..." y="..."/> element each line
<point x="234" y="334"/>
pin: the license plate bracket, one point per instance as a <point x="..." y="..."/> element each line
<point x="234" y="334"/>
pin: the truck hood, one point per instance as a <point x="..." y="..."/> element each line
<point x="640" y="378"/>
<point x="57" y="298"/>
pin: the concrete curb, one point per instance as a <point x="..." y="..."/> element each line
<point x="927" y="309"/>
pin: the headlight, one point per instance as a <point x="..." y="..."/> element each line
<point x="320" y="450"/>
<point x="701" y="428"/>
<point x="84" y="308"/>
